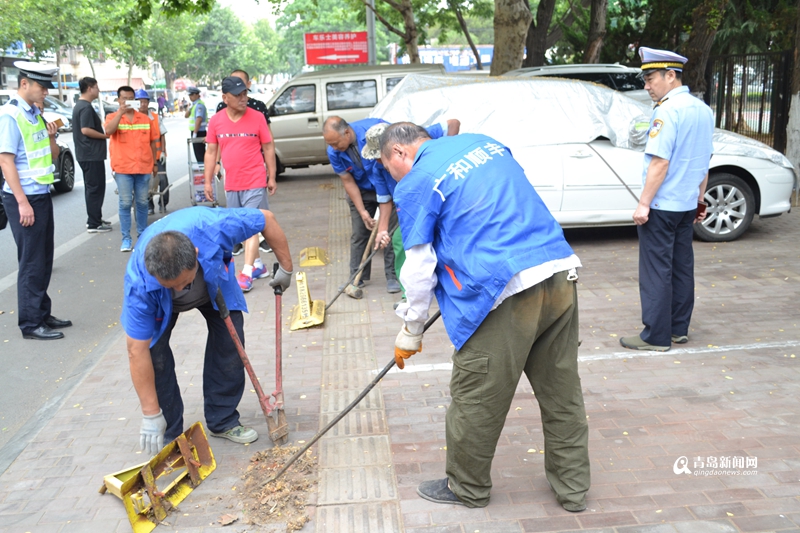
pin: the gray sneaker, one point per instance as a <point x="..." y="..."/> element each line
<point x="680" y="339"/>
<point x="238" y="434"/>
<point x="636" y="343"/>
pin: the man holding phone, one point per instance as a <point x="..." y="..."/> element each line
<point x="133" y="160"/>
<point x="677" y="156"/>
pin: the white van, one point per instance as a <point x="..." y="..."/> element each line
<point x="299" y="109"/>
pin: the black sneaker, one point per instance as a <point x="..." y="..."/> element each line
<point x="99" y="229"/>
<point x="238" y="249"/>
<point x="264" y="247"/>
<point x="437" y="491"/>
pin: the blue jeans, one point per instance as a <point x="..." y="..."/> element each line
<point x="130" y="185"/>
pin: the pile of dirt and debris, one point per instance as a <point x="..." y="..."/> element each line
<point x="283" y="500"/>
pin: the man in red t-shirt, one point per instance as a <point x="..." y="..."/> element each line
<point x="241" y="136"/>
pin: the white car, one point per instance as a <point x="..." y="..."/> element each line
<point x="582" y="148"/>
<point x="627" y="80"/>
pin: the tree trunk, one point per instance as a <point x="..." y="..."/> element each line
<point x="569" y="18"/>
<point x="706" y="19"/>
<point x="99" y="100"/>
<point x="411" y="31"/>
<point x="463" y="24"/>
<point x="58" y="65"/>
<point x="597" y="31"/>
<point x="511" y="21"/>
<point x="536" y="38"/>
<point x="793" y="127"/>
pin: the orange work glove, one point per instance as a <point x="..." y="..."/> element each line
<point x="405" y="345"/>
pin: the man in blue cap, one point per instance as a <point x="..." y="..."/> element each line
<point x="479" y="238"/>
<point x="27" y="149"/>
<point x="677" y="156"/>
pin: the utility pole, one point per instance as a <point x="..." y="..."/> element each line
<point x="371" y="48"/>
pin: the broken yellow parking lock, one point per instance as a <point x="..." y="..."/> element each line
<point x="306" y="313"/>
<point x="178" y="469"/>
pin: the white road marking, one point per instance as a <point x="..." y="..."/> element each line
<point x="76" y="241"/>
<point x="628" y="354"/>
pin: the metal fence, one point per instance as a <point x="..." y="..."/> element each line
<point x="750" y="95"/>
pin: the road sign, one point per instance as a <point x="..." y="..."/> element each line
<point x="336" y="48"/>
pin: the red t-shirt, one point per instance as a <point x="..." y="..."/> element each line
<point x="240" y="143"/>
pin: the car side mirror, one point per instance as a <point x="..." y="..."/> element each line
<point x="272" y="111"/>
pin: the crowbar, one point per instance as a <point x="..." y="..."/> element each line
<point x="263" y="400"/>
<point x="349" y="408"/>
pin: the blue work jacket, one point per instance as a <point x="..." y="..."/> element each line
<point x="147" y="305"/>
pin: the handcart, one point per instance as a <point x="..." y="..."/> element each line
<point x="197" y="193"/>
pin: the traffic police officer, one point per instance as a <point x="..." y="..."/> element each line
<point x="478" y="236"/>
<point x="179" y="263"/>
<point x="27" y="149"/>
<point x="677" y="155"/>
<point x="345" y="142"/>
<point x="198" y="121"/>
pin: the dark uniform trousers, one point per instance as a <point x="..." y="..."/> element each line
<point x="360" y="237"/>
<point x="35" y="246"/>
<point x="200" y="148"/>
<point x="666" y="275"/>
<point x="94" y="190"/>
<point x="535" y="332"/>
<point x="223" y="375"/>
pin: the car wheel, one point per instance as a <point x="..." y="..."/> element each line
<point x="731" y="206"/>
<point x="279" y="168"/>
<point x="66" y="175"/>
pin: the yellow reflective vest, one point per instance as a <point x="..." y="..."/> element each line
<point x="39" y="166"/>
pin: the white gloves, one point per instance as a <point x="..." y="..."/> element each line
<point x="151" y="435"/>
<point x="282" y="278"/>
<point x="405" y="345"/>
<point x="163" y="158"/>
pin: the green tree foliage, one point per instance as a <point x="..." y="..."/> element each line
<point x="220" y="46"/>
<point x="753" y="26"/>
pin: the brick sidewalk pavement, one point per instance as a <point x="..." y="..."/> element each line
<point x="730" y="393"/>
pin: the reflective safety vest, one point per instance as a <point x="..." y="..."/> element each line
<point x="40" y="165"/>
<point x="192" y="118"/>
<point x="154" y="121"/>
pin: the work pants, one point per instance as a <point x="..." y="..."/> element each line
<point x="94" y="190"/>
<point x="132" y="188"/>
<point x="360" y="237"/>
<point x="399" y="256"/>
<point x="666" y="275"/>
<point x="35" y="246"/>
<point x="223" y="375"/>
<point x="535" y="332"/>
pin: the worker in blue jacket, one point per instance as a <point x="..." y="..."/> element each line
<point x="179" y="263"/>
<point x="385" y="184"/>
<point x="479" y="238"/>
<point x="345" y="142"/>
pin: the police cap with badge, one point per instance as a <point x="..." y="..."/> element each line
<point x="41" y="74"/>
<point x="653" y="59"/>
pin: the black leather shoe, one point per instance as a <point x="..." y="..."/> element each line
<point x="54" y="323"/>
<point x="43" y="333"/>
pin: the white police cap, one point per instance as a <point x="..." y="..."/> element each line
<point x="41" y="74"/>
<point x="653" y="59"/>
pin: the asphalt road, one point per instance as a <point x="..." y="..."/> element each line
<point x="86" y="288"/>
